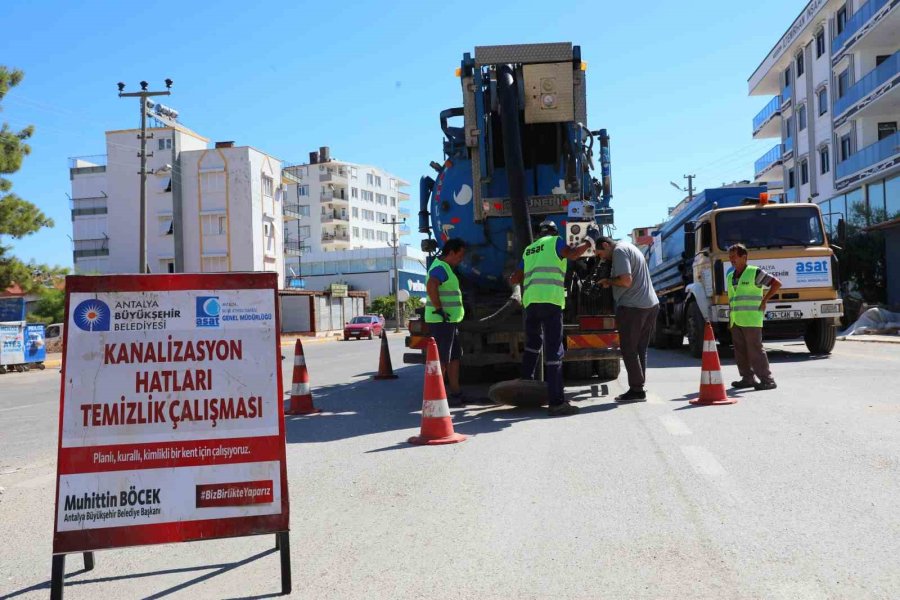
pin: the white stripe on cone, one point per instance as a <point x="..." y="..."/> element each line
<point x="299" y="389"/>
<point x="710" y="377"/>
<point x="709" y="346"/>
<point x="434" y="409"/>
<point x="433" y="367"/>
<point x="299" y="360"/>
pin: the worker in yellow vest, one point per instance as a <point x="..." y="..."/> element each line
<point x="543" y="271"/>
<point x="444" y="311"/>
<point x="747" y="299"/>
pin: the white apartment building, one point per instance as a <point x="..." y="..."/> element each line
<point x="208" y="209"/>
<point x="834" y="82"/>
<point x="339" y="206"/>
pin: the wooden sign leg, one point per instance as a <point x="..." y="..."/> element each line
<point x="284" y="546"/>
<point x="88" y="561"/>
<point x="57" y="575"/>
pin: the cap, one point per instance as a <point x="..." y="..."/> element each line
<point x="548" y="226"/>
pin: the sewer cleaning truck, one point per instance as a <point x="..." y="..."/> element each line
<point x="689" y="268"/>
<point x="521" y="154"/>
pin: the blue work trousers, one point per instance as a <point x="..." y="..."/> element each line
<point x="544" y="327"/>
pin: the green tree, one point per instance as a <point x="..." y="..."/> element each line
<point x="50" y="308"/>
<point x="384" y="305"/>
<point x="862" y="257"/>
<point x="18" y="217"/>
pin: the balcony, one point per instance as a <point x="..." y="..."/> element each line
<point x="870" y="156"/>
<point x="91" y="247"/>
<point x="865" y="91"/>
<point x="83" y="165"/>
<point x="334" y="196"/>
<point x="338" y="176"/>
<point x="788" y="147"/>
<point x="767" y="163"/>
<point x="404" y="229"/>
<point x="403" y="212"/>
<point x="292" y="247"/>
<point x="860" y="18"/>
<point x="290" y="211"/>
<point x="338" y="237"/>
<point x="765" y="125"/>
<point x="89" y="206"/>
<point x="334" y="217"/>
<point x="787" y="94"/>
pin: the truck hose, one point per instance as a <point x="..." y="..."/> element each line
<point x="508" y="95"/>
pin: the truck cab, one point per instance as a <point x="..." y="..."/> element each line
<point x="786" y="240"/>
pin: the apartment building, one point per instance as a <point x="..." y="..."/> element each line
<point x="340" y="206"/>
<point x="834" y="85"/>
<point x="208" y="209"/>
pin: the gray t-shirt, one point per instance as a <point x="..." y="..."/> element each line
<point x="628" y="260"/>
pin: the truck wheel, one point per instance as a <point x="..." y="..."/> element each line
<point x="695" y="326"/>
<point x="608" y="370"/>
<point x="674" y="341"/>
<point x="820" y="337"/>
<point x="578" y="370"/>
<point x="659" y="339"/>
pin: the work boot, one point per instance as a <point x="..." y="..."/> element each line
<point x="457" y="400"/>
<point x="562" y="410"/>
<point x="765" y="385"/>
<point x="743" y="383"/>
<point x="632" y="396"/>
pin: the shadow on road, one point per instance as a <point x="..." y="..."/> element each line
<point x="216" y="570"/>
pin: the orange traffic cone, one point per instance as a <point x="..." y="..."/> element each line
<point x="437" y="426"/>
<point x="385" y="369"/>
<point x="301" y="399"/>
<point x="712" y="388"/>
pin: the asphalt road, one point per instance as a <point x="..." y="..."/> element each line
<point x="791" y="493"/>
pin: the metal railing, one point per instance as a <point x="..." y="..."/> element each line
<point x="334" y="218"/>
<point x="91" y="247"/>
<point x="787" y="93"/>
<point x="788" y="145"/>
<point x="333" y="195"/>
<point x="869" y="156"/>
<point x="854" y="23"/>
<point x="335" y="237"/>
<point x="333" y="175"/>
<point x="94" y="160"/>
<point x="291" y="210"/>
<point x="293" y="248"/>
<point x="873" y="80"/>
<point x="772" y="109"/>
<point x="768" y="159"/>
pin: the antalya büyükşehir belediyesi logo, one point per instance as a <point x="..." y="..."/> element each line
<point x="92" y="315"/>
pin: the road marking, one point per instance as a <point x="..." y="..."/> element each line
<point x="25" y="406"/>
<point x="702" y="461"/>
<point x="674" y="425"/>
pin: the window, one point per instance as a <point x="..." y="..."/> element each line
<point x="892" y="197"/>
<point x="823" y="101"/>
<point x="845" y="147"/>
<point x="841" y="19"/>
<point x="393" y="201"/>
<point x="356" y="232"/>
<point x="267" y="229"/>
<point x="212" y="181"/>
<point x="303" y="210"/>
<point x="355" y="212"/>
<point x="368" y="234"/>
<point x="354" y="192"/>
<point x="368" y="196"/>
<point x="167" y="266"/>
<point x="215" y="264"/>
<point x="165" y="144"/>
<point x="799" y="62"/>
<point x="370" y="179"/>
<point x="268" y="186"/>
<point x="368" y="215"/>
<point x="166" y="226"/>
<point x="843" y="83"/>
<point x="798" y="225"/>
<point x="801" y="117"/>
<point x="789" y="127"/>
<point x="875" y="192"/>
<point x="302" y="190"/>
<point x="382" y="236"/>
<point x="787" y="78"/>
<point x="381" y="217"/>
<point x="377" y="181"/>
<point x="353" y="172"/>
<point x="303" y="232"/>
<point x="824" y="160"/>
<point x="381" y="199"/>
<point x="804" y="172"/>
<point x="792" y="183"/>
<point x="213" y="224"/>
<point x="820" y="43"/>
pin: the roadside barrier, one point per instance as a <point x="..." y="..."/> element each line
<point x="712" y="388"/>
<point x="301" y="398"/>
<point x="385" y="368"/>
<point x="437" y="425"/>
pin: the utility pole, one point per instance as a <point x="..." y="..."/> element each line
<point x="143" y="95"/>
<point x="690" y="179"/>
<point x="393" y="223"/>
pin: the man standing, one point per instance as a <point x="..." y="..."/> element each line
<point x="444" y="311"/>
<point x="748" y="306"/>
<point x="543" y="271"/>
<point x="636" y="308"/>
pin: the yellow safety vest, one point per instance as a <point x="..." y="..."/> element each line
<point x="450" y="295"/>
<point x="745" y="299"/>
<point x="545" y="273"/>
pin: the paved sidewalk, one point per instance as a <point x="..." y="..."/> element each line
<point x="882" y="339"/>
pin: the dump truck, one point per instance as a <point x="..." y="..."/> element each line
<point x="689" y="268"/>
<point x="522" y="153"/>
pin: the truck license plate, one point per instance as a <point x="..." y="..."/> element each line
<point x="776" y="315"/>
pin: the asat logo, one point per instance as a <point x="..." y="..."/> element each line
<point x="208" y="311"/>
<point x="92" y="315"/>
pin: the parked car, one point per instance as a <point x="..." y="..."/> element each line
<point x="368" y="326"/>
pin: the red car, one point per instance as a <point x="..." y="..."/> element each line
<point x="366" y="326"/>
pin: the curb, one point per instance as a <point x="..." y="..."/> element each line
<point x="53" y="364"/>
<point x="870" y="341"/>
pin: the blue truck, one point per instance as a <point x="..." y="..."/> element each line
<point x="522" y="153"/>
<point x="689" y="268"/>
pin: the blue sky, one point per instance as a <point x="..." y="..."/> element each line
<point x="667" y="79"/>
